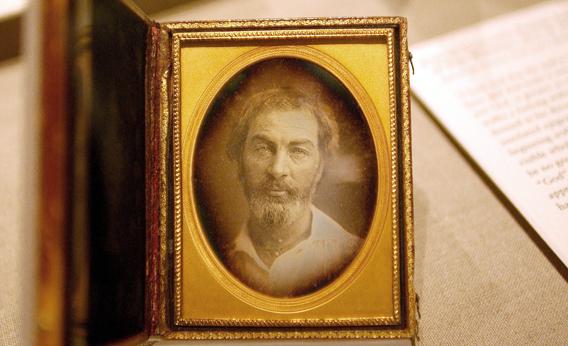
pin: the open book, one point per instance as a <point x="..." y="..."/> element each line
<point x="500" y="88"/>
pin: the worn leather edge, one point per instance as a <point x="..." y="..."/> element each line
<point x="157" y="66"/>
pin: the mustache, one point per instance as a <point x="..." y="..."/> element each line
<point x="262" y="191"/>
<point x="281" y="185"/>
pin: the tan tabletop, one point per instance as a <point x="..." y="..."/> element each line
<point x="482" y="276"/>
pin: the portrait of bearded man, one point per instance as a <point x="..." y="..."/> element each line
<point x="287" y="247"/>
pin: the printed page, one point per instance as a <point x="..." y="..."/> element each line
<point x="501" y="89"/>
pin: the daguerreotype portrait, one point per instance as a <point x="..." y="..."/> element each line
<point x="292" y="202"/>
<point x="290" y="183"/>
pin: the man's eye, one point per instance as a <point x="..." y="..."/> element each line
<point x="298" y="152"/>
<point x="262" y="149"/>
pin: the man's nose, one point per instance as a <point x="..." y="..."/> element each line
<point x="279" y="167"/>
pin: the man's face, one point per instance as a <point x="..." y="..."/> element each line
<point x="281" y="165"/>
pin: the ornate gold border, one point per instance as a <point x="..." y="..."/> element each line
<point x="404" y="89"/>
<point x="281" y="34"/>
<point x="234" y="286"/>
<point x="164" y="127"/>
<point x="375" y="22"/>
<point x="400" y="92"/>
<point x="177" y="225"/>
<point x="297" y="334"/>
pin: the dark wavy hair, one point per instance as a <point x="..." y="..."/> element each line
<point x="284" y="99"/>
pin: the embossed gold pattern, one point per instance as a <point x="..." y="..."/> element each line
<point x="283" y="23"/>
<point x="189" y="209"/>
<point x="407" y="170"/>
<point x="309" y="334"/>
<point x="342" y="28"/>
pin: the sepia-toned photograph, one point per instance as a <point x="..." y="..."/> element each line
<point x="285" y="177"/>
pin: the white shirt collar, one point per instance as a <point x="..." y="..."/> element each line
<point x="244" y="243"/>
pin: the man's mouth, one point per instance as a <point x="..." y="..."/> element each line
<point x="277" y="192"/>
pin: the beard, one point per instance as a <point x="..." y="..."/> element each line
<point x="277" y="210"/>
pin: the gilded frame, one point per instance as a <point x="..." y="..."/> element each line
<point x="174" y="205"/>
